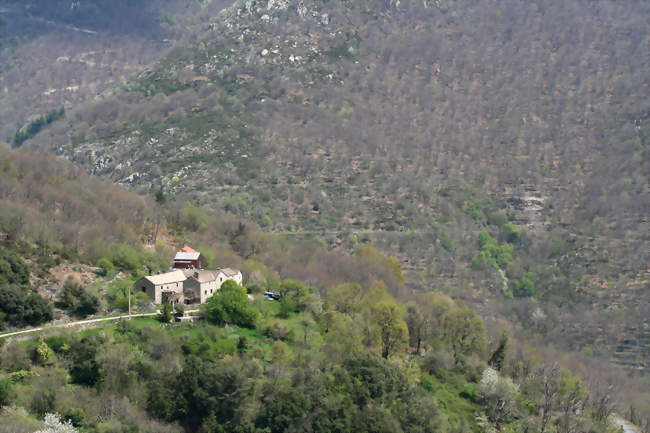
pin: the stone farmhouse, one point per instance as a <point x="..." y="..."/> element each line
<point x="187" y="282"/>
<point x="167" y="287"/>
<point x="203" y="283"/>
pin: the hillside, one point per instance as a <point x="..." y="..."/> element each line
<point x="57" y="53"/>
<point x="340" y="353"/>
<point x="295" y="371"/>
<point x="418" y="125"/>
<point x="58" y="222"/>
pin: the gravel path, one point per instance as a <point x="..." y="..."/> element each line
<point x="81" y="322"/>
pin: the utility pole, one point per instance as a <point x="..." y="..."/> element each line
<point x="129" y="303"/>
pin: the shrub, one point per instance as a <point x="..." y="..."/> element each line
<point x="43" y="353"/>
<point x="19" y="307"/>
<point x="279" y="331"/>
<point x="242" y="344"/>
<point x="105" y="266"/>
<point x="491" y="254"/>
<point x="497" y="218"/>
<point x="6" y="392"/>
<point x="179" y="310"/>
<point x="77" y="300"/>
<point x="13" y="269"/>
<point x="166" y="313"/>
<point x="498" y="395"/>
<point x="230" y="305"/>
<point x="524" y="288"/>
<point x="437" y="362"/>
<point x="125" y="257"/>
<point x="469" y="391"/>
<point x="53" y="424"/>
<point x="193" y="219"/>
<point x="512" y="233"/>
<point x="43" y="402"/>
<point x="75" y="415"/>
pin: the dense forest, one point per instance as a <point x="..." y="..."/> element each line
<point x="411" y="162"/>
<point x="299" y="365"/>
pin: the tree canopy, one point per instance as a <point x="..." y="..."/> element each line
<point x="230" y="305"/>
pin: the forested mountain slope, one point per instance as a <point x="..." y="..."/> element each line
<point x="339" y="353"/>
<point x="57" y="53"/>
<point x="419" y="125"/>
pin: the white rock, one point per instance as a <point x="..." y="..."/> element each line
<point x="277" y="4"/>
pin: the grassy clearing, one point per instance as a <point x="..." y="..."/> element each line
<point x="448" y="396"/>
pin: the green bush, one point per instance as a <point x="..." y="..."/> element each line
<point x="166" y="313"/>
<point x="512" y="233"/>
<point x="524" y="288"/>
<point x="75" y="415"/>
<point x="491" y="254"/>
<point x="469" y="391"/>
<point x="278" y="330"/>
<point x="125" y="257"/>
<point x="13" y="269"/>
<point x="58" y="343"/>
<point x="19" y="307"/>
<point x="77" y="300"/>
<point x="7" y="393"/>
<point x="105" y="266"/>
<point x="193" y="219"/>
<point x="497" y="218"/>
<point x="294" y="297"/>
<point x="230" y="305"/>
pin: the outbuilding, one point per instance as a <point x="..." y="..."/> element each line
<point x="188" y="260"/>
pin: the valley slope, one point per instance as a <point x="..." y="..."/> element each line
<point x="418" y="125"/>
